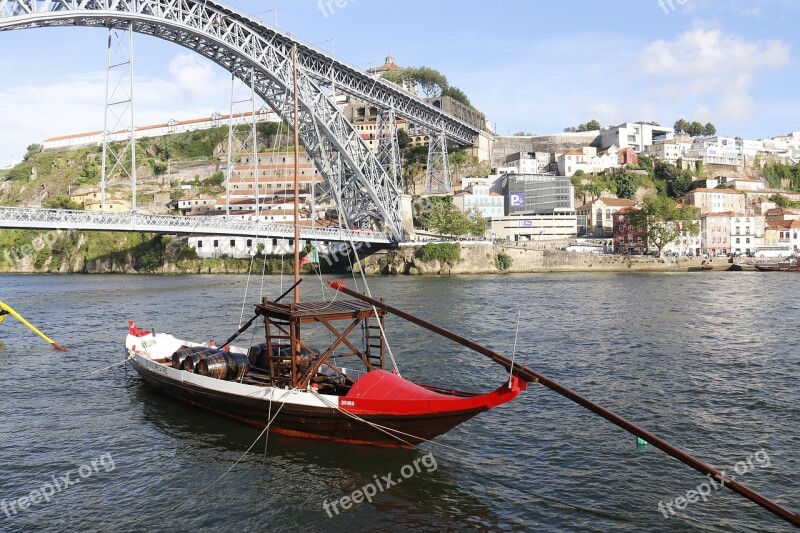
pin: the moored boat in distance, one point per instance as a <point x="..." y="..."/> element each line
<point x="789" y="265"/>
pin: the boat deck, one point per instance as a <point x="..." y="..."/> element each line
<point x="313" y="311"/>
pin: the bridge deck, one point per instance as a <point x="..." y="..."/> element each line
<point x="35" y="218"/>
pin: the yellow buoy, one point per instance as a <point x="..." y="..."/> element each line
<point x="6" y="310"/>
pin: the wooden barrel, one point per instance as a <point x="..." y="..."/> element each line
<point x="214" y="366"/>
<point x="238" y="365"/>
<point x="180" y="356"/>
<point x="191" y="361"/>
<point x="256" y="354"/>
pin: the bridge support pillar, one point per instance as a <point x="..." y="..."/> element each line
<point x="437" y="177"/>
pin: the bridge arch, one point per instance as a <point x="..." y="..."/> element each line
<point x="248" y="49"/>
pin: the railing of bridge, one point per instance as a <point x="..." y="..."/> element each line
<point x="22" y="217"/>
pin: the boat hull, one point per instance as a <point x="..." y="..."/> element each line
<point x="308" y="421"/>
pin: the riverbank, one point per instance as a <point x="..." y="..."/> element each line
<point x="488" y="258"/>
<point x="70" y="252"/>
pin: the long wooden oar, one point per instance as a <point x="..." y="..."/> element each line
<point x="534" y="377"/>
<point x="6" y="310"/>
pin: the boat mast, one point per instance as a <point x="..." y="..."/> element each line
<point x="296" y="182"/>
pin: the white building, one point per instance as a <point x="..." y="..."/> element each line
<point x="636" y="135"/>
<point x="715" y="151"/>
<point x="528" y="163"/>
<point x="553" y="227"/>
<point x="588" y="160"/>
<point x="747" y="233"/>
<point x="480" y="196"/>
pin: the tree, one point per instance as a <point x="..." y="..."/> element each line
<point x="592" y="125"/>
<point x="457" y="94"/>
<point x="677" y="182"/>
<point x="681" y="126"/>
<point x="403" y="139"/>
<point x="32" y="150"/>
<point x="479" y="223"/>
<point x="662" y="221"/>
<point x="431" y="81"/>
<point x="696" y="129"/>
<point x="62" y="202"/>
<point x="709" y="130"/>
<point x="627" y="184"/>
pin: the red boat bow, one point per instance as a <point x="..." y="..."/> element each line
<point x="381" y="392"/>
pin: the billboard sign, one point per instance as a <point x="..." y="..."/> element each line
<point x="518" y="199"/>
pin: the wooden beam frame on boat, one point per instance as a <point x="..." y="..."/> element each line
<point x="287" y="319"/>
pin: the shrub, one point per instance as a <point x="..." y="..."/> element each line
<point x="503" y="261"/>
<point x="446" y="252"/>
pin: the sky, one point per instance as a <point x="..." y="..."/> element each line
<point x="530" y="65"/>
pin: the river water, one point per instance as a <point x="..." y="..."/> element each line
<point x="707" y="360"/>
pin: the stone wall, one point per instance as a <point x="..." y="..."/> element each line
<point x="481" y="259"/>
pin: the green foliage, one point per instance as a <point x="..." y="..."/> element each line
<point x="627" y="183"/>
<point x="783" y="201"/>
<point x="440" y="214"/>
<point x="158" y="167"/>
<point x="503" y="261"/>
<point x="660" y="219"/>
<point x="215" y="180"/>
<point x="676" y="182"/>
<point x="776" y="173"/>
<point x="592" y="125"/>
<point x="269" y="129"/>
<point x="457" y="94"/>
<point x="446" y="252"/>
<point x="21" y="172"/>
<point x="695" y="129"/>
<point x="61" y="202"/>
<point x="403" y="140"/>
<point x="32" y="150"/>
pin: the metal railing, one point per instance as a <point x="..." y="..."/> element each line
<point x="35" y="218"/>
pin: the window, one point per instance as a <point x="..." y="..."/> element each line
<point x="249" y="243"/>
<point x="199" y="244"/>
<point x="233" y="243"/>
<point x="737" y="240"/>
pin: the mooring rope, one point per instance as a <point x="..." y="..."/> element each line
<point x="391" y="432"/>
<point x="204" y="489"/>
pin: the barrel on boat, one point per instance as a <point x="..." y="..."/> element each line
<point x="214" y="366"/>
<point x="181" y="354"/>
<point x="191" y="361"/>
<point x="238" y="365"/>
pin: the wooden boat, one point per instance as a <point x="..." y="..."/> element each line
<point x="306" y="391"/>
<point x="789" y="265"/>
<point x="295" y="389"/>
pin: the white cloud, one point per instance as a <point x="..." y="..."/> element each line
<point x="706" y="62"/>
<point x="31" y="113"/>
<point x="193" y="75"/>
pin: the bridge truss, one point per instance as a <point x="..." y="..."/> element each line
<point x="259" y="55"/>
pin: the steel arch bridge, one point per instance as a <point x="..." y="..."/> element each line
<point x="258" y="54"/>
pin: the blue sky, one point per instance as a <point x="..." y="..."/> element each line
<point x="536" y="66"/>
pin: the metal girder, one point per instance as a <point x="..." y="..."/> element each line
<point x="247" y="48"/>
<point x="35" y="218"/>
<point x="388" y="149"/>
